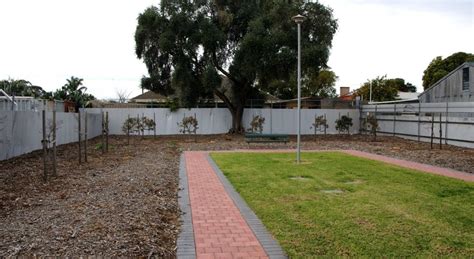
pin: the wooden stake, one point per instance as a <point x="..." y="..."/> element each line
<point x="85" y="137"/>
<point x="154" y="128"/>
<point x="138" y="124"/>
<point x="440" y="133"/>
<point x="446" y="124"/>
<point x="325" y="123"/>
<point x="106" y="131"/>
<point x="128" y="130"/>
<point x="79" y="136"/>
<point x="54" y="141"/>
<point x="432" y="129"/>
<point x="394" y="118"/>
<point x="419" y="120"/>
<point x="45" y="150"/>
<point x="103" y="132"/>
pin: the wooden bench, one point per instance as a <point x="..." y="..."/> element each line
<point x="263" y="138"/>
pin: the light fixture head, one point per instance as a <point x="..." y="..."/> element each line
<point x="298" y="18"/>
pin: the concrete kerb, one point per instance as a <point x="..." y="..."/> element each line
<point x="269" y="244"/>
<point x="186" y="247"/>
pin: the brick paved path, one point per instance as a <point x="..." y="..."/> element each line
<point x="414" y="165"/>
<point x="220" y="231"/>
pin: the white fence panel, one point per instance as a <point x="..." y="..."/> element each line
<point x="211" y="120"/>
<point x="413" y="121"/>
<point x="284" y="121"/>
<point x="21" y="131"/>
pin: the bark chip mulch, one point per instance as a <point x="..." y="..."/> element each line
<point x="124" y="203"/>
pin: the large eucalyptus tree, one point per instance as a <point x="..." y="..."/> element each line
<point x="190" y="46"/>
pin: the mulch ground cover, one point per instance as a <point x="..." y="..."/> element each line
<point x="124" y="203"/>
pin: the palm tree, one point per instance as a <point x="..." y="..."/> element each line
<point x="74" y="91"/>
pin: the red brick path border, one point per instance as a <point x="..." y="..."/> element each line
<point x="413" y="165"/>
<point x="220" y="231"/>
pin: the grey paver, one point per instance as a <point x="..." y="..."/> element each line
<point x="186" y="245"/>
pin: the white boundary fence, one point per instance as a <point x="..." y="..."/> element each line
<point x="414" y="121"/>
<point x="219" y="120"/>
<point x="21" y="131"/>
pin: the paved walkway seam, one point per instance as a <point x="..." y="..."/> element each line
<point x="186" y="245"/>
<point x="269" y="244"/>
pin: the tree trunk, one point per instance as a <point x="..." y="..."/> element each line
<point x="237" y="115"/>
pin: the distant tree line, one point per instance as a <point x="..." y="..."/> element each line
<point x="73" y="90"/>
<point x="384" y="89"/>
<point x="439" y="67"/>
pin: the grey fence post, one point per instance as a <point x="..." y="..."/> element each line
<point x="446" y="125"/>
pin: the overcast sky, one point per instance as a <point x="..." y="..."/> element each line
<point x="48" y="41"/>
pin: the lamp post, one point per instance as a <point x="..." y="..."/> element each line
<point x="370" y="93"/>
<point x="299" y="20"/>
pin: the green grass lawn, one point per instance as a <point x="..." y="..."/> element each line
<point x="340" y="205"/>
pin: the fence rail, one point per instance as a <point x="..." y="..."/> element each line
<point x="451" y="122"/>
<point x="30" y="104"/>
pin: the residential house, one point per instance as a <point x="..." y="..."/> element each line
<point x="457" y="86"/>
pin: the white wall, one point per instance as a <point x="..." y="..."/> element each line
<point x="21" y="131"/>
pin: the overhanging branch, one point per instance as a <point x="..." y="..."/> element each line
<point x="222" y="70"/>
<point x="225" y="99"/>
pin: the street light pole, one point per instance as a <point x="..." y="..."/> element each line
<point x="370" y="93"/>
<point x="299" y="20"/>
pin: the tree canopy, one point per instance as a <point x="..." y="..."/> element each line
<point x="188" y="46"/>
<point x="384" y="89"/>
<point x="320" y="84"/>
<point x="21" y="87"/>
<point x="74" y="91"/>
<point x="439" y="67"/>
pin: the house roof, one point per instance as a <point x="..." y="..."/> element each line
<point x="465" y="64"/>
<point x="150" y="95"/>
<point x="414" y="100"/>
<point x="407" y="95"/>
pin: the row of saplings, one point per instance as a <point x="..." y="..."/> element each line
<point x="189" y="125"/>
<point x="138" y="125"/>
<point x="343" y="124"/>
